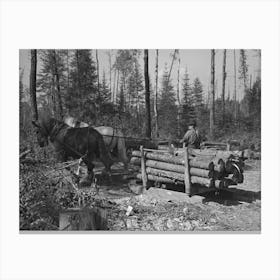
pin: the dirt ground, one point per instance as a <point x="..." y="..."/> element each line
<point x="127" y="209"/>
<point x="236" y="209"/>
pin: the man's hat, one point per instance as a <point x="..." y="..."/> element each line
<point x="192" y="122"/>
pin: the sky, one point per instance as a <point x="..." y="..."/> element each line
<point x="197" y="62"/>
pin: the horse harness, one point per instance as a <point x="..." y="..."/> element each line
<point x="112" y="138"/>
<point x="57" y="129"/>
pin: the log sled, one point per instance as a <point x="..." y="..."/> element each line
<point x="213" y="169"/>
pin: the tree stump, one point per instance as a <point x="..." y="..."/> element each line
<point x="83" y="219"/>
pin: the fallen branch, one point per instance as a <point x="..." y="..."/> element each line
<point x="24" y="154"/>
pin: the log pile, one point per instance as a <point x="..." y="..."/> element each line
<point x="209" y="168"/>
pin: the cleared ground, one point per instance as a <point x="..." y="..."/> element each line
<point x="47" y="188"/>
<point x="238" y="209"/>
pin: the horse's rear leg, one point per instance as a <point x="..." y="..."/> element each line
<point x="107" y="166"/>
<point x="122" y="152"/>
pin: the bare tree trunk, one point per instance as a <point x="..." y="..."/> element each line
<point x="110" y="65"/>
<point x="53" y="96"/>
<point x="58" y="92"/>
<point x="33" y="73"/>
<point x="97" y="70"/>
<point x="250" y="81"/>
<point x="259" y="64"/>
<point x="224" y="84"/>
<point x="79" y="80"/>
<point x="156" y="97"/>
<point x="138" y="108"/>
<point x="208" y="97"/>
<point x="124" y="92"/>
<point x="173" y="58"/>
<point x="178" y="96"/>
<point x="21" y="115"/>
<point x="147" y="93"/>
<point x="212" y="98"/>
<point x="244" y="69"/>
<point x="114" y="87"/>
<point x="68" y="71"/>
<point x="234" y="94"/>
<point x="117" y="89"/>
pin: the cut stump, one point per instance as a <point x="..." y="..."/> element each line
<point x="83" y="219"/>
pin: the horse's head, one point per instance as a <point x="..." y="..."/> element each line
<point x="41" y="133"/>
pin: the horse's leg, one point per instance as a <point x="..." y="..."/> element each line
<point x="88" y="161"/>
<point x="122" y="152"/>
<point x="60" y="153"/>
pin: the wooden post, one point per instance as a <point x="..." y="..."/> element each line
<point x="143" y="168"/>
<point x="187" y="171"/>
<point x="228" y="146"/>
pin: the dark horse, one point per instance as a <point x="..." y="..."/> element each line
<point x="85" y="143"/>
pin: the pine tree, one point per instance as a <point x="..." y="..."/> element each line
<point x="197" y="91"/>
<point x="121" y="100"/>
<point x="82" y="95"/>
<point x="104" y="89"/>
<point x="167" y="107"/>
<point x="135" y="86"/>
<point x="124" y="65"/>
<point x="188" y="109"/>
<point x="52" y="80"/>
<point x="251" y="107"/>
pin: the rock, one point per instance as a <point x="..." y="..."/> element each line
<point x="137" y="189"/>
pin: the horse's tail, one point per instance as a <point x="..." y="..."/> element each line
<point x="104" y="154"/>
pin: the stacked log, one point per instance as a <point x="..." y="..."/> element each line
<point x="213" y="169"/>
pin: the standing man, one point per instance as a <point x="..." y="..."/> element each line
<point x="192" y="138"/>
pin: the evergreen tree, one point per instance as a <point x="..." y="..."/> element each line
<point x="124" y="65"/>
<point x="135" y="87"/>
<point x="121" y="99"/>
<point x="167" y="107"/>
<point x="51" y="80"/>
<point x="82" y="95"/>
<point x="251" y="107"/>
<point x="104" y="89"/>
<point x="188" y="102"/>
<point x="197" y="91"/>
